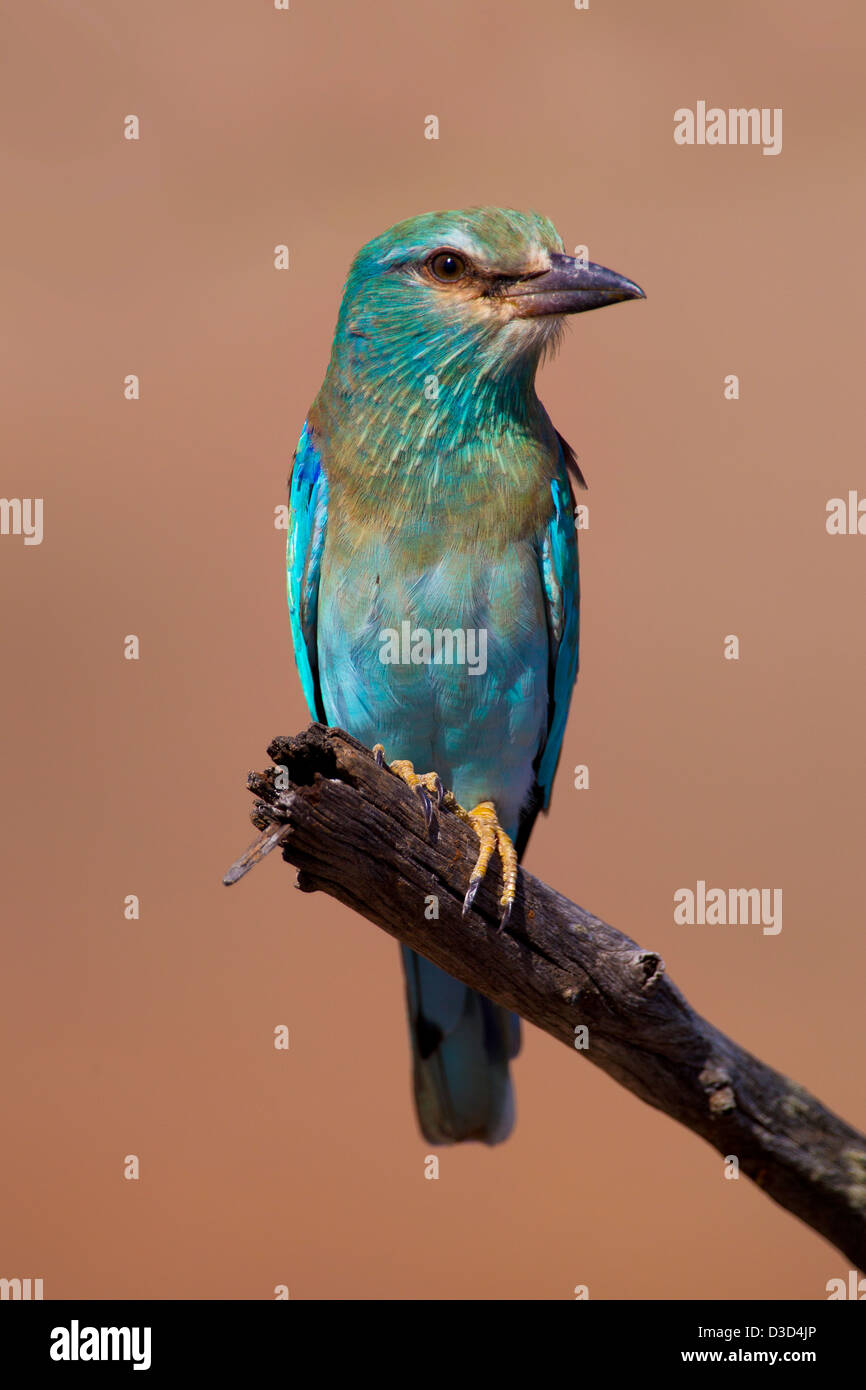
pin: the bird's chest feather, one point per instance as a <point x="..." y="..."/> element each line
<point x="440" y="652"/>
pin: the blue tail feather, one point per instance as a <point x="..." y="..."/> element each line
<point x="461" y="1047"/>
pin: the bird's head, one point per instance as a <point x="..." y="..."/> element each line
<point x="479" y="293"/>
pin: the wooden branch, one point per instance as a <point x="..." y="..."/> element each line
<point x="356" y="831"/>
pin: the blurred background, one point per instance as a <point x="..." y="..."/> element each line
<point x="707" y="516"/>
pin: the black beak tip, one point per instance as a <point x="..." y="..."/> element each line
<point x="613" y="289"/>
<point x="625" y="289"/>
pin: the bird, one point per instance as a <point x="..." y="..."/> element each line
<point x="431" y="494"/>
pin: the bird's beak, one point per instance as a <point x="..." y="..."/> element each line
<point x="569" y="287"/>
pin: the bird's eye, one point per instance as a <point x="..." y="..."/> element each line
<point x="447" y="266"/>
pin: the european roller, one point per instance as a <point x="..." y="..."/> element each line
<point x="430" y="495"/>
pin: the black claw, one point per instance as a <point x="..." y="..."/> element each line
<point x="427" y="804"/>
<point x="440" y="792"/>
<point x="506" y="917"/>
<point x="380" y="759"/>
<point x="470" y="894"/>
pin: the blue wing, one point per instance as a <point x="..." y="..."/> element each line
<point x="559" y="575"/>
<point x="557" y="560"/>
<point x="308" y="515"/>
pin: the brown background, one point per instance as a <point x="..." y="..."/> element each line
<point x="706" y="518"/>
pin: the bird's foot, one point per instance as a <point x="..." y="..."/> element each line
<point x="483" y="820"/>
<point x="423" y="783"/>
<point x="485" y="823"/>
